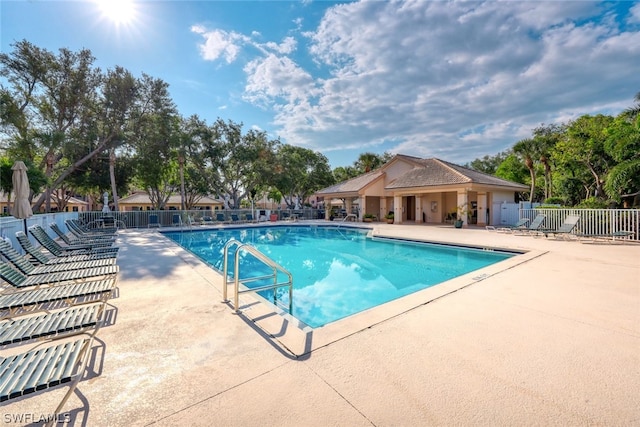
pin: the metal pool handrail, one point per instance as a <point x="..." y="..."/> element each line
<point x="355" y="218"/>
<point x="275" y="267"/>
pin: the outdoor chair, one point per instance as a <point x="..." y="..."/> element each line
<point x="109" y="222"/>
<point x="38" y="257"/>
<point x="26" y="267"/>
<point x="71" y="320"/>
<point x="55" y="248"/>
<point x="235" y="218"/>
<point x="17" y="279"/>
<point x="249" y="217"/>
<point x="153" y="221"/>
<point x="28" y="300"/>
<point x="80" y="234"/>
<point x="207" y="220"/>
<point x="77" y="242"/>
<point x="535" y="225"/>
<point x="176" y="220"/>
<point x="63" y="362"/>
<point x="221" y="218"/>
<point x="97" y="226"/>
<point x="565" y="229"/>
<point x="522" y="223"/>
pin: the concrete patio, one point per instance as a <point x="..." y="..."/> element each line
<point x="551" y="337"/>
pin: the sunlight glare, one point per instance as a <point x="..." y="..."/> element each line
<point x="118" y="11"/>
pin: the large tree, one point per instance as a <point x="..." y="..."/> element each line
<point x="156" y="138"/>
<point x="62" y="111"/>
<point x="584" y="147"/>
<point x="489" y="164"/>
<point x="236" y="163"/>
<point x="299" y="172"/>
<point x="623" y="145"/>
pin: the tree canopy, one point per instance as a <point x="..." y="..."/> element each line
<point x="592" y="158"/>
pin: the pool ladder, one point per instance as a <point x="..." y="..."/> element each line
<point x="355" y="218"/>
<point x="275" y="268"/>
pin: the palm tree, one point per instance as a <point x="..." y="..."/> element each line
<point x="527" y="150"/>
<point x="546" y="138"/>
<point x="368" y="161"/>
<point x="633" y="112"/>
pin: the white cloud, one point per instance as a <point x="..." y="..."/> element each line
<point x="287" y="46"/>
<point x="456" y="80"/>
<point x="218" y="43"/>
<point x="274" y="77"/>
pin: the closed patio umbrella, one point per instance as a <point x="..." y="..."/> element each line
<point x="21" y="206"/>
<point x="105" y="199"/>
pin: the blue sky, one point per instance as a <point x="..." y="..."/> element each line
<point x="441" y="79"/>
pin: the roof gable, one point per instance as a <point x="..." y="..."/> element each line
<point x="352" y="185"/>
<point x="436" y="172"/>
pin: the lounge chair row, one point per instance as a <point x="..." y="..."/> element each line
<point x="58" y="298"/>
<point x="536" y="227"/>
<point x="568" y="229"/>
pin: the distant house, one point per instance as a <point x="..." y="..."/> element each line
<point x="73" y="204"/>
<point x="425" y="191"/>
<point x="140" y="201"/>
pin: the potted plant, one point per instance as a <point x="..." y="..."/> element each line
<point x="462" y="211"/>
<point x="389" y="217"/>
<point x="368" y="217"/>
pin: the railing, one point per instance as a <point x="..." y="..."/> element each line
<point x="352" y="216"/>
<point x="275" y="267"/>
<point x="10" y="225"/>
<point x="592" y="221"/>
<point x="140" y="219"/>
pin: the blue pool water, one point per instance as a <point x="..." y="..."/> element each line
<point x="338" y="272"/>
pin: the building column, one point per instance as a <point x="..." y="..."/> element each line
<point x="384" y="209"/>
<point x="348" y="204"/>
<point x="482" y="209"/>
<point x="419" y="210"/>
<point x="463" y="202"/>
<point x="363" y="206"/>
<point x="397" y="209"/>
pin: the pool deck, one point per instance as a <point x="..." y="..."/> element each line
<point x="550" y="338"/>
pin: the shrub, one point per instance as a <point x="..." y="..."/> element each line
<point x="554" y="201"/>
<point x="593" y="203"/>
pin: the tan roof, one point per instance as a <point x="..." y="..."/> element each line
<point x="425" y="173"/>
<point x="436" y="172"/>
<point x="352" y="185"/>
<point x="71" y="200"/>
<point x="142" y="198"/>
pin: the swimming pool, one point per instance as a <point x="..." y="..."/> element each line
<point x="338" y="272"/>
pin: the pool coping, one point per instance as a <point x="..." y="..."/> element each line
<point x="298" y="340"/>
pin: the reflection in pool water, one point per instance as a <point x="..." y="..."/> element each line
<point x="338" y="272"/>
